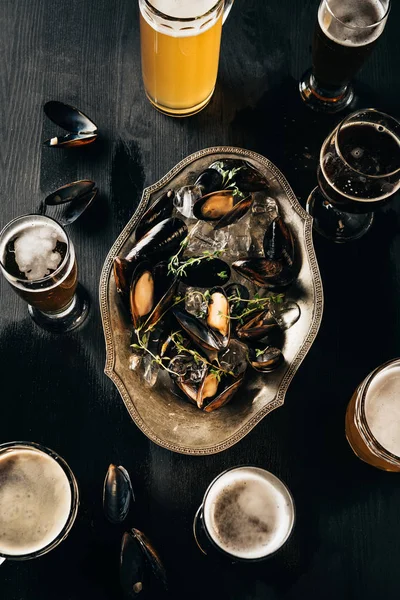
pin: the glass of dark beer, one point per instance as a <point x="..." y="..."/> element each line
<point x="345" y="35"/>
<point x="38" y="260"/>
<point x="359" y="170"/>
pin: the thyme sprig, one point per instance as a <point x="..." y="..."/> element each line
<point x="178" y="268"/>
<point x="256" y="304"/>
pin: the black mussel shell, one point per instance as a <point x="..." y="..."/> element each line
<point x="70" y="140"/>
<point x="270" y="359"/>
<point x="209" y="180"/>
<point x="278" y="242"/>
<point x="235" y="291"/>
<point x="214" y="206"/>
<point x="207" y="273"/>
<point x="162" y="240"/>
<point x="257" y="326"/>
<point x="162" y="305"/>
<point x="218" y="315"/>
<point x="69" y="118"/>
<point x="245" y="177"/>
<point x="160" y="210"/>
<point x="117" y="494"/>
<point x="285" y="278"/>
<point x="260" y="271"/>
<point x="237" y="212"/>
<point x="142" y="293"/>
<point x="71" y="212"/>
<point x="224" y="396"/>
<point x="197" y="330"/>
<point x="70" y="192"/>
<point x="142" y="574"/>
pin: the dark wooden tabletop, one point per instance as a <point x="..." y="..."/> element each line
<point x="53" y="390"/>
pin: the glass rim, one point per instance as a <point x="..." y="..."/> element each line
<point x="337" y="144"/>
<point x="28" y="282"/>
<point x="362" y="398"/>
<point x="181" y="19"/>
<point x="234" y="556"/>
<point x="74" y="497"/>
<point x="355" y="27"/>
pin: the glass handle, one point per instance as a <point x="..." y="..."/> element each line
<point x="2" y="560"/>
<point x="227" y="9"/>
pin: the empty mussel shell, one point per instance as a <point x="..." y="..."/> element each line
<point x="160" y="210"/>
<point x="142" y="574"/>
<point x="202" y="335"/>
<point x="117" y="494"/>
<point x="257" y="326"/>
<point x="209" y="180"/>
<point x="69" y="118"/>
<point x="70" y="201"/>
<point x="260" y="271"/>
<point x="70" y="191"/>
<point x="266" y="360"/>
<point x="278" y="242"/>
<point x="70" y="140"/>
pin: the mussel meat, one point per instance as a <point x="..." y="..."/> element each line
<point x="266" y="360"/>
<point x="117" y="494"/>
<point x="218" y="317"/>
<point x="207" y="273"/>
<point x="209" y="180"/>
<point x="71" y="201"/>
<point x="257" y="326"/>
<point x="142" y="573"/>
<point x="81" y="129"/>
<point x="142" y="293"/>
<point x="202" y="335"/>
<point x="160" y="210"/>
<point x="208" y="389"/>
<point x="242" y="174"/>
<point x="278" y="242"/>
<point x="260" y="271"/>
<point x="236" y="213"/>
<point x="213" y="206"/>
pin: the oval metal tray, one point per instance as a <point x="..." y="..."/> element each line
<point x="165" y="418"/>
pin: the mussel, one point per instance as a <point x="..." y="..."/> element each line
<point x="201" y="335"/>
<point x="161" y="240"/>
<point x="236" y="213"/>
<point x="214" y="206"/>
<point x="117" y="494"/>
<point x="237" y="295"/>
<point x="81" y="129"/>
<point x="207" y="273"/>
<point x="142" y="574"/>
<point x="230" y="388"/>
<point x="266" y="360"/>
<point x="218" y="316"/>
<point x="160" y="210"/>
<point x="261" y="271"/>
<point x="278" y="242"/>
<point x="70" y="201"/>
<point x="242" y="174"/>
<point x="209" y="180"/>
<point x="257" y="326"/>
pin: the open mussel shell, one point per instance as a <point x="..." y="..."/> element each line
<point x="142" y="574"/>
<point x="214" y="206"/>
<point x="229" y="390"/>
<point x="70" y="192"/>
<point x="160" y="210"/>
<point x="243" y="174"/>
<point x="69" y="118"/>
<point x="70" y="140"/>
<point x="234" y="292"/>
<point x="260" y="271"/>
<point x="267" y="361"/>
<point x="237" y="212"/>
<point x="70" y="201"/>
<point x="199" y="332"/>
<point x="209" y="180"/>
<point x="218" y="316"/>
<point x="257" y="326"/>
<point x="278" y="242"/>
<point x="207" y="273"/>
<point x="117" y="494"/>
<point x="161" y="240"/>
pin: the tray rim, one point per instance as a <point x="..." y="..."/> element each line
<point x="106" y="319"/>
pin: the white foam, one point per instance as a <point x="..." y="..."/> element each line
<point x="35" y="501"/>
<point x="182" y="9"/>
<point x="382" y="408"/>
<point x="35" y="252"/>
<point x="355" y="14"/>
<point x="248" y="512"/>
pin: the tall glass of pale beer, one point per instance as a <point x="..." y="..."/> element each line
<point x="180" y="44"/>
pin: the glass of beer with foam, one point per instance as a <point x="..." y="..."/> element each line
<point x="38" y="260"/>
<point x="247" y="514"/>
<point x="345" y="35"/>
<point x="373" y="418"/>
<point x="38" y="500"/>
<point x="180" y="44"/>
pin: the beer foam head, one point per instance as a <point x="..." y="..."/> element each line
<point x="382" y="407"/>
<point x="198" y="10"/>
<point x="351" y="22"/>
<point x="35" y="252"/>
<point x="35" y="501"/>
<point x="248" y="512"/>
<point x="182" y="9"/>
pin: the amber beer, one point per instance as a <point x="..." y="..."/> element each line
<point x="373" y="418"/>
<point x="180" y="44"/>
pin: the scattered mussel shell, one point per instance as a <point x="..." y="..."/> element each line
<point x="214" y="206"/>
<point x="207" y="273"/>
<point x="266" y="361"/>
<point x="161" y="240"/>
<point x="245" y="176"/>
<point x="209" y="180"/>
<point x="260" y="271"/>
<point x="278" y="242"/>
<point x="117" y="494"/>
<point x="160" y="210"/>
<point x="218" y="316"/>
<point x="285" y="314"/>
<point x="236" y="213"/>
<point x="201" y="335"/>
<point x="71" y="201"/>
<point x="142" y="574"/>
<point x="257" y="326"/>
<point x="81" y="129"/>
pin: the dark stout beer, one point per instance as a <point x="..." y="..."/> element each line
<point x="345" y="35"/>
